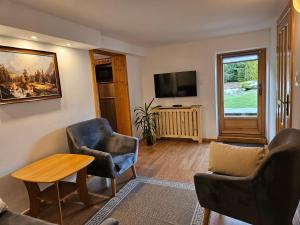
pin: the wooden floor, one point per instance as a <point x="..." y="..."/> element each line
<point x="171" y="160"/>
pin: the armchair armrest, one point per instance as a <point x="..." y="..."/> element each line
<point x="119" y="143"/>
<point x="110" y="221"/>
<point x="102" y="158"/>
<point x="225" y="194"/>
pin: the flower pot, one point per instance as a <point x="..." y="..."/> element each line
<point x="149" y="140"/>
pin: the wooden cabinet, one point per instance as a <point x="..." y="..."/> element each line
<point x="107" y="98"/>
<point x="112" y="98"/>
<point x="122" y="96"/>
<point x="285" y="68"/>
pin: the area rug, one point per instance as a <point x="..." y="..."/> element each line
<point x="145" y="201"/>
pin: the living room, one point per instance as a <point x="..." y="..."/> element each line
<point x="51" y="102"/>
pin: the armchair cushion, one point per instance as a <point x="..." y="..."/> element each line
<point x="235" y="160"/>
<point x="118" y="143"/>
<point x="103" y="163"/>
<point x="122" y="161"/>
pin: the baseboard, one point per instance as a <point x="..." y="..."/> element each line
<point x="242" y="139"/>
<point x="25" y="211"/>
<point x="208" y="140"/>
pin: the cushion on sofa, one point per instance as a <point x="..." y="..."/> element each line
<point x="235" y="160"/>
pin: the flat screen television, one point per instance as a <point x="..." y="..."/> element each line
<point x="178" y="84"/>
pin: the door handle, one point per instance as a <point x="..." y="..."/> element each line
<point x="259" y="89"/>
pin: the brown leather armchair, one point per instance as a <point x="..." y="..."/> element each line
<point x="268" y="197"/>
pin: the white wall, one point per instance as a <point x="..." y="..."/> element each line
<point x="31" y="130"/>
<point x="296" y="92"/>
<point x="199" y="56"/>
<point x="34" y="20"/>
<point x="134" y="85"/>
<point x="272" y="85"/>
<point x="55" y="30"/>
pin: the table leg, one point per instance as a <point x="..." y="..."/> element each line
<point x="82" y="187"/>
<point x="58" y="201"/>
<point x="33" y="193"/>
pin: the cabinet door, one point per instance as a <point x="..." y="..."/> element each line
<point x="285" y="46"/>
<point x="108" y="111"/>
<point x="122" y="102"/>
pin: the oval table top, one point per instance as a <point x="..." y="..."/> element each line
<point x="53" y="168"/>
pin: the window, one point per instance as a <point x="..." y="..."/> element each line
<point x="240" y="82"/>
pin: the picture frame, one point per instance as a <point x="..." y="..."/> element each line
<point x="28" y="75"/>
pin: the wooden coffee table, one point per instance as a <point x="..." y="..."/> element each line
<point x="54" y="169"/>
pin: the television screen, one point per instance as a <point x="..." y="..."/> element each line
<point x="179" y="84"/>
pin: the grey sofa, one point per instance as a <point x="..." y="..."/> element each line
<point x="11" y="218"/>
<point x="268" y="197"/>
<point x="114" y="153"/>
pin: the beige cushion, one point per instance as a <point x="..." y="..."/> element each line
<point x="3" y="206"/>
<point x="234" y="160"/>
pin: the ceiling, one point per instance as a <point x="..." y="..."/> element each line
<point x="157" y="22"/>
<point x="27" y="35"/>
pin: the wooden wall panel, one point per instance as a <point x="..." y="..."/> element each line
<point x="285" y="68"/>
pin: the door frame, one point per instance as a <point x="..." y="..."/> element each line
<point x="284" y="21"/>
<point x="94" y="85"/>
<point x="123" y="111"/>
<point x="256" y="135"/>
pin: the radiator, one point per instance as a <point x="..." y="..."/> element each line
<point x="178" y="122"/>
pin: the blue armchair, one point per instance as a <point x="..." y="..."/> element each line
<point x="114" y="153"/>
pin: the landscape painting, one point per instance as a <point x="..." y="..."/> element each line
<point x="28" y="75"/>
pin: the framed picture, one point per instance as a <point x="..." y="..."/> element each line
<point x="28" y="75"/>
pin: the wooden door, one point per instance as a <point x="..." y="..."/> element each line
<point x="241" y="96"/>
<point x="285" y="46"/>
<point x="122" y="104"/>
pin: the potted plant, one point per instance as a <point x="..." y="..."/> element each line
<point x="145" y="120"/>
